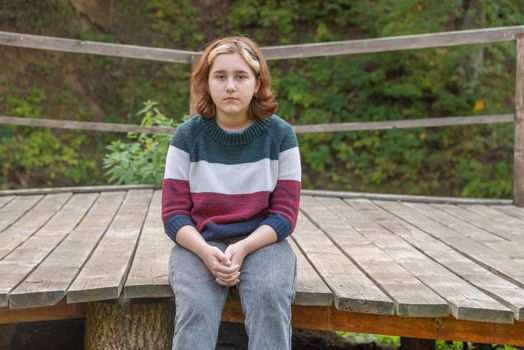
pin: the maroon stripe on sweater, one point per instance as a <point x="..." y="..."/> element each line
<point x="228" y="208"/>
<point x="176" y="198"/>
<point x="285" y="200"/>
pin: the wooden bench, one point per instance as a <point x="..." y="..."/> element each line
<point x="418" y="268"/>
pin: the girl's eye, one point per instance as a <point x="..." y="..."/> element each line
<point x="220" y="76"/>
<point x="241" y="77"/>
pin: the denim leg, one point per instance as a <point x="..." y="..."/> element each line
<point x="199" y="300"/>
<point x="267" y="289"/>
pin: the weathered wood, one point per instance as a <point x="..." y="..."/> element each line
<point x="299" y="129"/>
<point x="310" y="288"/>
<point x="518" y="163"/>
<point x="16" y="209"/>
<point x="87" y="126"/>
<point x="404" y="197"/>
<point x="60" y="311"/>
<point x="406" y="42"/>
<point x="511" y="210"/>
<point x="511" y="227"/>
<point x="411" y="297"/>
<point x="129" y="325"/>
<point x="416" y="344"/>
<point x="404" y="124"/>
<point x="467" y="230"/>
<point x="148" y="276"/>
<point x="477" y="252"/>
<point x="27" y="225"/>
<point x="465" y="301"/>
<point x="495" y="286"/>
<point x="17" y="265"/>
<point x="94" y="48"/>
<point x="6" y="199"/>
<point x="48" y="283"/>
<point x="329" y="318"/>
<point x="79" y="189"/>
<point x="353" y="290"/>
<point x="103" y="276"/>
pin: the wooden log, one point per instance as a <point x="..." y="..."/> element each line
<point x="518" y="172"/>
<point x="136" y="325"/>
<point x="416" y="344"/>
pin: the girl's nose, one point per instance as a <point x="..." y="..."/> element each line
<point x="230" y="85"/>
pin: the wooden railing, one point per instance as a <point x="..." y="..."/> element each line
<point x="408" y="42"/>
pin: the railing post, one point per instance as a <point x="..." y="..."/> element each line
<point x="194" y="61"/>
<point x="518" y="172"/>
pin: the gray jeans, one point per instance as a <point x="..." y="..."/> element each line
<point x="266" y="289"/>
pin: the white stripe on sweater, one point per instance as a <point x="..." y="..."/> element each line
<point x="233" y="178"/>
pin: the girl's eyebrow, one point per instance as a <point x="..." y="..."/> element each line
<point x="225" y="71"/>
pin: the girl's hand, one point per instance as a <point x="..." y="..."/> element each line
<point x="236" y="253"/>
<point x="220" y="266"/>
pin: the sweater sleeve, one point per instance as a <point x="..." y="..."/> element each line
<point x="176" y="196"/>
<point x="285" y="199"/>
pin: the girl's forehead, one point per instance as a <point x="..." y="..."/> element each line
<point x="229" y="62"/>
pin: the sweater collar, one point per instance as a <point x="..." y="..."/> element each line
<point x="257" y="128"/>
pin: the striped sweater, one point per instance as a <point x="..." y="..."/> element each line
<point x="228" y="184"/>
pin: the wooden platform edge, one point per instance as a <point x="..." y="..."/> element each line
<point x="324" y="318"/>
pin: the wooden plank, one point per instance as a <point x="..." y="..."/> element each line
<point x="411" y="297"/>
<point x="465" y="229"/>
<point x="5" y="199"/>
<point x="87" y="126"/>
<point x="510" y="227"/>
<point x="499" y="228"/>
<point x="395" y="43"/>
<point x="465" y="301"/>
<point x="404" y="197"/>
<point x="61" y="311"/>
<point x="103" y="276"/>
<point x="404" y="124"/>
<point x="299" y="129"/>
<point x="495" y="286"/>
<point x="17" y="265"/>
<point x="94" y="48"/>
<point x="48" y="283"/>
<point x="325" y="318"/>
<point x="353" y="290"/>
<point x="16" y="209"/>
<point x="310" y="288"/>
<point x="512" y="210"/>
<point x="148" y="276"/>
<point x="76" y="189"/>
<point x="518" y="162"/>
<point x="475" y="251"/>
<point x="32" y="220"/>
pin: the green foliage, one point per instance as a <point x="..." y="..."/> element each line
<point x="141" y="160"/>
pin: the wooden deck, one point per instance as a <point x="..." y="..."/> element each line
<point x="381" y="258"/>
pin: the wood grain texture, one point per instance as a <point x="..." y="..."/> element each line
<point x="411" y="297"/>
<point x="17" y="265"/>
<point x="32" y="220"/>
<point x="103" y="276"/>
<point x="353" y="290"/>
<point x="505" y="292"/>
<point x="518" y="158"/>
<point x="465" y="301"/>
<point x="93" y="48"/>
<point x="15" y="209"/>
<point x="5" y="199"/>
<point x="48" y="283"/>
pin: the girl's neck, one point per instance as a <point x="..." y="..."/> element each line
<point x="233" y="123"/>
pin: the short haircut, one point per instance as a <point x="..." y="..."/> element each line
<point x="263" y="104"/>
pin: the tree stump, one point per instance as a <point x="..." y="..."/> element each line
<point x="143" y="325"/>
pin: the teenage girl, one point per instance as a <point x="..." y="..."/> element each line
<point x="230" y="197"/>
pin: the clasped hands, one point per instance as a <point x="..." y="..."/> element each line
<point x="225" y="266"/>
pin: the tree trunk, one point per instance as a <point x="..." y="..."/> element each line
<point x="416" y="344"/>
<point x="137" y="325"/>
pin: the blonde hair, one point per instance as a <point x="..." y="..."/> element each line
<point x="263" y="104"/>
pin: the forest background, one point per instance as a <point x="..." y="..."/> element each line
<point x="457" y="81"/>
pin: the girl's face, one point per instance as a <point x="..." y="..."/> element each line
<point x="232" y="84"/>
